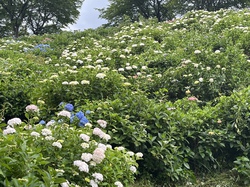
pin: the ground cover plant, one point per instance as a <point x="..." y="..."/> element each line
<point x="171" y="98"/>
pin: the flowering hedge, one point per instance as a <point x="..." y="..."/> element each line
<point x="175" y="91"/>
<point x="58" y="152"/>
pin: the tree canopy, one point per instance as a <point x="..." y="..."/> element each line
<point x="38" y="16"/>
<point x="162" y="9"/>
<point x="134" y="9"/>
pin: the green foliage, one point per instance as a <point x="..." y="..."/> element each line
<point x="45" y="156"/>
<point x="177" y="92"/>
<point x="38" y="16"/>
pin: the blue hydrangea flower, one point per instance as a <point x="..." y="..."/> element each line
<point x="61" y="104"/>
<point x="42" y="47"/>
<point x="69" y="107"/>
<point x="87" y="112"/>
<point x="83" y="122"/>
<point x="80" y="115"/>
<point x="72" y="118"/>
<point x="42" y="122"/>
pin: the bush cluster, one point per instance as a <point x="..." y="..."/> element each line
<point x="175" y="91"/>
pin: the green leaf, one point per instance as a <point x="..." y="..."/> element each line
<point x="186" y="165"/>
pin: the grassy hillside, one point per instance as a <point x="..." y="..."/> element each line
<point x="176" y="92"/>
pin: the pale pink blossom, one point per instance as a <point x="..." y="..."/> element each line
<point x="64" y="113"/>
<point x="192" y="98"/>
<point x="102" y="123"/>
<point x="93" y="183"/>
<point x="84" y="137"/>
<point x="86" y="157"/>
<point x="98" y="176"/>
<point x="98" y="155"/>
<point x="32" y="108"/>
<point x="82" y="166"/>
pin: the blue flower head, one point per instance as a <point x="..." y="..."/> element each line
<point x="42" y="122"/>
<point x="83" y="122"/>
<point x="61" y="104"/>
<point x="87" y="112"/>
<point x="72" y="118"/>
<point x="69" y="107"/>
<point x="80" y="115"/>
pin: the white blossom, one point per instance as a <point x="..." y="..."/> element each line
<point x="9" y="130"/>
<point x="14" y="121"/>
<point x="57" y="144"/>
<point x="35" y="134"/>
<point x="100" y="75"/>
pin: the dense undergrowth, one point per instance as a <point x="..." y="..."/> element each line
<point x="177" y="92"/>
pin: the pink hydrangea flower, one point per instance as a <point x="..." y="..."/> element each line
<point x="102" y="123"/>
<point x="192" y="98"/>
<point x="32" y="108"/>
<point x="98" y="155"/>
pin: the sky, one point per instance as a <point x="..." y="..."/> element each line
<point x="89" y="16"/>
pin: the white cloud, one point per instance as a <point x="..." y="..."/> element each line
<point x="89" y="15"/>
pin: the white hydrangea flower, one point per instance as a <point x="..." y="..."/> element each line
<point x="14" y="121"/>
<point x="98" y="155"/>
<point x="102" y="146"/>
<point x="57" y="144"/>
<point x="46" y="132"/>
<point x="98" y="176"/>
<point x="84" y="137"/>
<point x="118" y="184"/>
<point x="121" y="69"/>
<point x="102" y="123"/>
<point x="82" y="166"/>
<point x="50" y="123"/>
<point x="197" y="52"/>
<point x="100" y="75"/>
<point x="86" y="157"/>
<point x="93" y="183"/>
<point x="84" y="145"/>
<point x="35" y="134"/>
<point x="99" y="61"/>
<point x="73" y="83"/>
<point x="139" y="155"/>
<point x="85" y="82"/>
<point x="64" y="113"/>
<point x="133" y="169"/>
<point x="130" y="153"/>
<point x="9" y="130"/>
<point x="65" y="83"/>
<point x="120" y="148"/>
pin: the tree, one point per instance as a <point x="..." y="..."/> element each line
<point x="40" y="16"/>
<point x="134" y="9"/>
<point x="213" y="5"/>
<point x="162" y="9"/>
<point x="46" y="16"/>
<point x="15" y="12"/>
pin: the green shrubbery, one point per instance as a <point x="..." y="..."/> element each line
<point x="178" y="92"/>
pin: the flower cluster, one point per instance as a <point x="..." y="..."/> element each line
<point x="42" y="47"/>
<point x="101" y="134"/>
<point x="32" y="108"/>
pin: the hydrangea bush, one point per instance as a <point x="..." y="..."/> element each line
<point x="176" y="91"/>
<point x="62" y="153"/>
